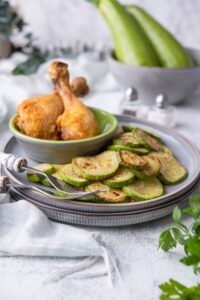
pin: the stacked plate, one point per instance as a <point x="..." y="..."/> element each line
<point x="102" y="214"/>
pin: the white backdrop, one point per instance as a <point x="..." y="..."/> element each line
<point x="61" y="21"/>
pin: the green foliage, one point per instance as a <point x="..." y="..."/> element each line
<point x="31" y="65"/>
<point x="167" y="241"/>
<point x="173" y="290"/>
<point x="9" y="19"/>
<point x="189" y="237"/>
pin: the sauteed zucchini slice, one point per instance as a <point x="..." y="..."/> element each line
<point x="171" y="170"/>
<point x="67" y="174"/>
<point x="47" y="168"/>
<point x="46" y="182"/>
<point x="129" y="128"/>
<point x="127" y="139"/>
<point x="110" y="196"/>
<point x="152" y="167"/>
<point x="122" y="177"/>
<point x="129" y="159"/>
<point x="147" y="141"/>
<point x="138" y="173"/>
<point x="144" y="189"/>
<point x="139" y="150"/>
<point x="96" y="167"/>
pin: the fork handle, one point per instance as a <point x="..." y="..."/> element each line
<point x="4" y="184"/>
<point x="12" y="162"/>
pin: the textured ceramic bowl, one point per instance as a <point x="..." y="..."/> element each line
<point x="178" y="84"/>
<point x="59" y="152"/>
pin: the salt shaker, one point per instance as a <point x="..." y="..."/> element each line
<point x="131" y="105"/>
<point x="162" y="112"/>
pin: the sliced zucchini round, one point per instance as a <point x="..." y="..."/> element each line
<point x="110" y="196"/>
<point x="137" y="173"/>
<point x="144" y="189"/>
<point x="167" y="150"/>
<point x="57" y="167"/>
<point x="140" y="150"/>
<point x="57" y="174"/>
<point x="91" y="198"/>
<point x="171" y="170"/>
<point x="129" y="128"/>
<point x="45" y="182"/>
<point x="46" y="168"/>
<point x="129" y="159"/>
<point x="117" y="141"/>
<point x="122" y="177"/>
<point x="36" y="178"/>
<point x="152" y="167"/>
<point x="96" y="167"/>
<point x="67" y="174"/>
<point x="128" y="139"/>
<point x="147" y="141"/>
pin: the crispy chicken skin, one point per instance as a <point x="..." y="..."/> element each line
<point x="36" y="117"/>
<point x="77" y="121"/>
<point x="60" y="115"/>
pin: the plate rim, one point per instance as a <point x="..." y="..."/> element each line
<point x="115" y="214"/>
<point x="165" y="197"/>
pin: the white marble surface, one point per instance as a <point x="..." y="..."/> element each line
<point x="60" y="22"/>
<point x="143" y="267"/>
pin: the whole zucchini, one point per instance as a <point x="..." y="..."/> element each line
<point x="131" y="44"/>
<point x="169" y="51"/>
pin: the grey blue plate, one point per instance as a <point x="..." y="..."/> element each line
<point x="184" y="150"/>
<point x="110" y="219"/>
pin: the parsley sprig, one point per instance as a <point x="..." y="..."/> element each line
<point x="188" y="237"/>
<point x="173" y="290"/>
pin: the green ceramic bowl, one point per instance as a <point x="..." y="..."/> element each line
<point x="59" y="152"/>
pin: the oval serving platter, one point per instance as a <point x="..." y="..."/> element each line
<point x="183" y="149"/>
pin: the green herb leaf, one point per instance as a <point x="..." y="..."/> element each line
<point x="190" y="260"/>
<point x="167" y="241"/>
<point x="195" y="205"/>
<point x="173" y="290"/>
<point x="189" y="237"/>
<point x="177" y="215"/>
<point x="178" y="235"/>
<point x="193" y="246"/>
<point x="196" y="226"/>
<point x="31" y="65"/>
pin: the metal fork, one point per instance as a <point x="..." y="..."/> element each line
<point x="18" y="164"/>
<point x="6" y="185"/>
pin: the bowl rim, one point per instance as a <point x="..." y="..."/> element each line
<point x="23" y="136"/>
<point x="156" y="68"/>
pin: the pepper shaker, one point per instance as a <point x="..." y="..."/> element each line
<point x="162" y="112"/>
<point x="131" y="105"/>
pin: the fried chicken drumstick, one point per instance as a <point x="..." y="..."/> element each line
<point x="61" y="114"/>
<point x="36" y="116"/>
<point x="77" y="120"/>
